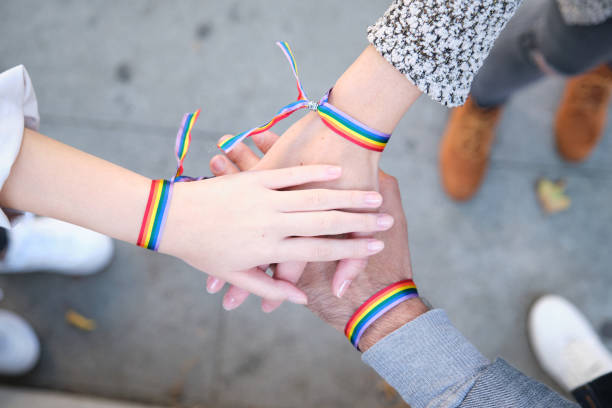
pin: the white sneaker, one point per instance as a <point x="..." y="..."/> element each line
<point x="46" y="244"/>
<point x="565" y="344"/>
<point x="19" y="346"/>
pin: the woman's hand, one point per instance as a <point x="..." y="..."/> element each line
<point x="229" y="225"/>
<point x="382" y="270"/>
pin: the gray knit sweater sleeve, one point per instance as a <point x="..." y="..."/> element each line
<point x="431" y="364"/>
<point x="440" y="44"/>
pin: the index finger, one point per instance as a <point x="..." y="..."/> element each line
<point x="256" y="281"/>
<point x="295" y="176"/>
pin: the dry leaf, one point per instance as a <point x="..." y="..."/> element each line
<point x="551" y="195"/>
<point x="79" y="321"/>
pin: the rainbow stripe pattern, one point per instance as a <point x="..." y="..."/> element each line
<point x="338" y="121"/>
<point x="160" y="194"/>
<point x="183" y="140"/>
<point x="376" y="306"/>
<point x="349" y="128"/>
<point x="155" y="215"/>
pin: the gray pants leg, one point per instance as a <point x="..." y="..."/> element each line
<point x="539" y="28"/>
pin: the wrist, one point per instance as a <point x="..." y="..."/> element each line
<point x="343" y="147"/>
<point x="178" y="217"/>
<point x="374" y="92"/>
<point x="391" y="321"/>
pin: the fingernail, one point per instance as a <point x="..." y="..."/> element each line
<point x="334" y="171"/>
<point x="229" y="303"/>
<point x="343" y="288"/>
<point x="212" y="286"/>
<point x="257" y="138"/>
<point x="373" y="198"/>
<point x="266" y="307"/>
<point x="298" y="299"/>
<point x="375" y="246"/>
<point x="384" y="221"/>
<point x="224" y="138"/>
<point x="218" y="164"/>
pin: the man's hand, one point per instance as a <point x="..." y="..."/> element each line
<point x="384" y="269"/>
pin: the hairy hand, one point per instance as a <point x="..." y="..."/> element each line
<point x="383" y="269"/>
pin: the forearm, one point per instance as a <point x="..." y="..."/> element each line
<point x="52" y="179"/>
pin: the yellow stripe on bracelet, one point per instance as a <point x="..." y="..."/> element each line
<point x="338" y="121"/>
<point x="160" y="193"/>
<point x="376" y="306"/>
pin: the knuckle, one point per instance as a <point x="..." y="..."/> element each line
<point x="357" y="265"/>
<point x="355" y="198"/>
<point x="388" y="181"/>
<point x="328" y="220"/>
<point x="317" y="198"/>
<point x="291" y="173"/>
<point x="394" y="184"/>
<point x="370" y="222"/>
<point x="360" y="264"/>
<point x="225" y="137"/>
<point x="269" y="252"/>
<point x="322" y="251"/>
<point x="361" y="222"/>
<point x="267" y="144"/>
<point x="358" y="248"/>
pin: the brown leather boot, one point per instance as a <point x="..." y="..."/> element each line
<point x="582" y="114"/>
<point x="464" y="151"/>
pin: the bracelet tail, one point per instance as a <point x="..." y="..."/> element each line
<point x="301" y="103"/>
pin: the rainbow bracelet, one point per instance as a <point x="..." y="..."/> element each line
<point x="338" y="121"/>
<point x="155" y="214"/>
<point x="160" y="194"/>
<point x="376" y="306"/>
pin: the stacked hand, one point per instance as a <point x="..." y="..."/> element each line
<point x="382" y="270"/>
<point x="372" y="91"/>
<point x="250" y="222"/>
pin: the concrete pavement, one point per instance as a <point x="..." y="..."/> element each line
<point x="115" y="78"/>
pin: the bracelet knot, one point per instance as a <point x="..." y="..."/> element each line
<point x="313" y="106"/>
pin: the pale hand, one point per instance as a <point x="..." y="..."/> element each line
<point x="229" y="225"/>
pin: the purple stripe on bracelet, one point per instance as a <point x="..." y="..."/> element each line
<point x="380" y="313"/>
<point x="331" y="107"/>
<point x="165" y="216"/>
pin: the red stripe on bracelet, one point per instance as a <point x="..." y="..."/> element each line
<point x="376" y="306"/>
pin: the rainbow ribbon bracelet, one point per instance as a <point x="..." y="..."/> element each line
<point x="338" y="121"/>
<point x="376" y="306"/>
<point x="160" y="194"/>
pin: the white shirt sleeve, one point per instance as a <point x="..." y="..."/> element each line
<point x="18" y="110"/>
